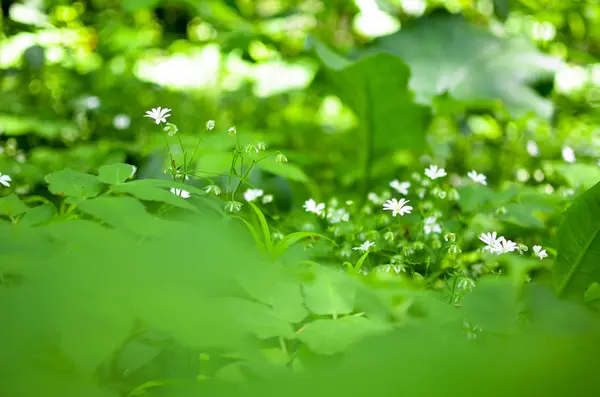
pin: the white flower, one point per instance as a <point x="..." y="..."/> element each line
<point x="337" y="215"/>
<point x="281" y="158"/>
<point x="311" y="206"/>
<point x="414" y="7"/>
<point x="158" y="114"/>
<point x="491" y="240"/>
<point x="400" y="187"/>
<point x="180" y="192"/>
<point x="267" y="198"/>
<point x="214" y="189"/>
<point x="477" y="178"/>
<point x="505" y="246"/>
<point x="364" y="246"/>
<point x="538" y="175"/>
<point x="232" y="131"/>
<point x="5" y="180"/>
<point x="532" y="148"/>
<point x="522" y="175"/>
<point x="252" y="194"/>
<point x="568" y="154"/>
<point x="121" y="121"/>
<point x="431" y="225"/>
<point x="261" y="146"/>
<point x="435" y="172"/>
<point x="397" y="207"/>
<point x="539" y="252"/>
<point x="92" y="102"/>
<point x="372" y="197"/>
<point x="233" y="206"/>
<point x="210" y="125"/>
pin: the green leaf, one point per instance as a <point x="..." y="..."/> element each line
<point x="288" y="171"/>
<point x="578" y="244"/>
<point x="121" y="212"/>
<point x="264" y="226"/>
<point x="11" y="205"/>
<point x="474" y="197"/>
<point x="293" y="238"/>
<point x="376" y="89"/>
<point x="333" y="336"/>
<point x="449" y="54"/>
<point x="331" y="293"/>
<point x="73" y="183"/>
<point x="257" y="319"/>
<point x="493" y="305"/>
<point x="114" y="174"/>
<point x="134" y="5"/>
<point x="40" y="214"/>
<point x="578" y="174"/>
<point x="148" y="189"/>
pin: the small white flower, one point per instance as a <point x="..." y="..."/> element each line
<point x="532" y="149"/>
<point x="232" y="131"/>
<point x="397" y="207"/>
<point x="5" y="180"/>
<point x="337" y="215"/>
<point x="400" y="187"/>
<point x="477" y="178"/>
<point x="180" y="192"/>
<point x="539" y="252"/>
<point x="364" y="246"/>
<point x="233" y="206"/>
<point x="214" y="189"/>
<point x="281" y="158"/>
<point x="414" y="7"/>
<point x="568" y="154"/>
<point x="431" y="225"/>
<point x="121" y="121"/>
<point x="92" y="102"/>
<point x="491" y="240"/>
<point x="267" y="198"/>
<point x="158" y="114"/>
<point x="504" y="247"/>
<point x="261" y="146"/>
<point x="311" y="205"/>
<point x="434" y="172"/>
<point x="210" y="125"/>
<point x="538" y="175"/>
<point x="522" y="175"/>
<point x="372" y="197"/>
<point x="252" y="194"/>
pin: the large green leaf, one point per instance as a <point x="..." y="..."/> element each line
<point x="114" y="174"/>
<point x="449" y="54"/>
<point x="73" y="183"/>
<point x="333" y="336"/>
<point x="331" y="293"/>
<point x="11" y="205"/>
<point x="578" y="240"/>
<point x="147" y="189"/>
<point x="376" y="89"/>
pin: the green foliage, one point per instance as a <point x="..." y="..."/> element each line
<point x="578" y="263"/>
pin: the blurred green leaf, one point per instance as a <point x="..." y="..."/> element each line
<point x="449" y="54"/>
<point x="11" y="205"/>
<point x="333" y="336"/>
<point x="73" y="183"/>
<point x="114" y="174"/>
<point x="578" y="262"/>
<point x="331" y="293"/>
<point x="145" y="189"/>
<point x="40" y="214"/>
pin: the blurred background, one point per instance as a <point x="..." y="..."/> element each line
<point x="76" y="77"/>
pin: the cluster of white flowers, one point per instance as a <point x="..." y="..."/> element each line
<point x="500" y="245"/>
<point x="364" y="246"/>
<point x="254" y="194"/>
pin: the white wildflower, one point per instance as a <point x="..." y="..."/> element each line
<point x="121" y="121"/>
<point x="434" y="172"/>
<point x="400" y="187"/>
<point x="568" y="154"/>
<point x="5" y="180"/>
<point x="92" y="102"/>
<point x="232" y="131"/>
<point x="538" y="175"/>
<point x="491" y="240"/>
<point x="210" y="125"/>
<point x="260" y="146"/>
<point x="539" y="252"/>
<point x="364" y="246"/>
<point x="180" y="192"/>
<point x="158" y="114"/>
<point x="532" y="149"/>
<point x="477" y="178"/>
<point x="505" y="246"/>
<point x="522" y="175"/>
<point x="414" y="7"/>
<point x="214" y="189"/>
<point x="252" y="194"/>
<point x="311" y="206"/>
<point x="233" y="206"/>
<point x="431" y="226"/>
<point x="267" y="198"/>
<point x="397" y="207"/>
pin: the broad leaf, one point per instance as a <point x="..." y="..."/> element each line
<point x="114" y="174"/>
<point x="146" y="189"/>
<point x="40" y="214"/>
<point x="331" y="293"/>
<point x="578" y="244"/>
<point x="449" y="54"/>
<point x="73" y="183"/>
<point x="376" y="89"/>
<point x="333" y="336"/>
<point x="11" y="205"/>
